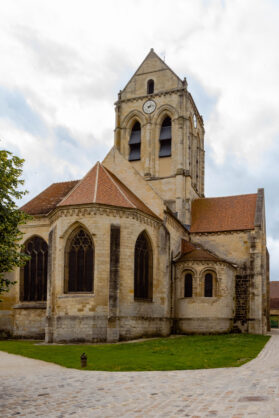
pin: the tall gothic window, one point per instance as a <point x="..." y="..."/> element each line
<point x="165" y="138"/>
<point x="150" y="86"/>
<point x="143" y="268"/>
<point x="79" y="263"/>
<point x="34" y="273"/>
<point x="208" y="285"/>
<point x="188" y="285"/>
<point x="135" y="142"/>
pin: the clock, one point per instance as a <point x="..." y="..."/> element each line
<point x="149" y="106"/>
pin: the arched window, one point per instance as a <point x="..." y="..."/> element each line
<point x="34" y="273"/>
<point x="188" y="285"/>
<point x="143" y="268"/>
<point x="134" y="142"/>
<point x="79" y="263"/>
<point x="208" y="285"/>
<point x="150" y="86"/>
<point x="165" y="138"/>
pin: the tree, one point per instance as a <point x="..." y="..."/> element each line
<point x="11" y="217"/>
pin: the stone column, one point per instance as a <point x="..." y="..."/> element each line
<point x="50" y="285"/>
<point x="180" y="178"/>
<point x="117" y="130"/>
<point x="113" y="311"/>
<point x="147" y="159"/>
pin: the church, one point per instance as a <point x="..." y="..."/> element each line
<point x="135" y="249"/>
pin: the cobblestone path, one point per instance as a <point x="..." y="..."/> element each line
<point x="34" y="388"/>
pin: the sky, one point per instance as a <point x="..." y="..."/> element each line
<point x="64" y="61"/>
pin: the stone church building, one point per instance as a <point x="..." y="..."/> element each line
<point x="134" y="248"/>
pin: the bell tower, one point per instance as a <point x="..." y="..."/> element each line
<point x="158" y="128"/>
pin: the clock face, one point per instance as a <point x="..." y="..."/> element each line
<point x="149" y="106"/>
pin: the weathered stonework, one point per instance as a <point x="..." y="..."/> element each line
<point x="166" y="186"/>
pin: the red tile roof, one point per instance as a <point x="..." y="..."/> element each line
<point x="274" y="303"/>
<point x="231" y="213"/>
<point x="98" y="186"/>
<point x="274" y="290"/>
<point x="195" y="252"/>
<point x="186" y="246"/>
<point x="49" y="198"/>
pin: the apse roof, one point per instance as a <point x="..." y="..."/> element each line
<point x="230" y="213"/>
<point x="49" y="198"/>
<point x="99" y="186"/>
<point x="195" y="252"/>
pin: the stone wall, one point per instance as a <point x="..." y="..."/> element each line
<point x="24" y="319"/>
<point x="102" y="313"/>
<point x="168" y="176"/>
<point x="29" y="320"/>
<point x="204" y="314"/>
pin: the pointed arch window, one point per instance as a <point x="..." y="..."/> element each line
<point x="188" y="285"/>
<point x="143" y="268"/>
<point x="150" y="86"/>
<point x="34" y="273"/>
<point x="208" y="285"/>
<point x="79" y="263"/>
<point x="135" y="142"/>
<point x="165" y="138"/>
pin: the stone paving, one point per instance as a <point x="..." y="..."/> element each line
<point x="34" y="388"/>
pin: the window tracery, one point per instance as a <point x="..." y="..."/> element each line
<point x="143" y="268"/>
<point x="34" y="273"/>
<point x="79" y="265"/>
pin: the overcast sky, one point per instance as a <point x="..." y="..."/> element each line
<point x="64" y="61"/>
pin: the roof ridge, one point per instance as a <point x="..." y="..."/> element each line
<point x="67" y="181"/>
<point x="145" y="59"/>
<point x="76" y="186"/>
<point x="224" y="197"/>
<point x="96" y="182"/>
<point x="119" y="189"/>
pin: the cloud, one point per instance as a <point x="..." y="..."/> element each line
<point x="14" y="107"/>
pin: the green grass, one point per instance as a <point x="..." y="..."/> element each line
<point x="179" y="353"/>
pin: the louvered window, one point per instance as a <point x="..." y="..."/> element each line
<point x="143" y="265"/>
<point x="208" y="285"/>
<point x="188" y="285"/>
<point x="150" y="86"/>
<point x="135" y="142"/>
<point x="165" y="138"/>
<point x="79" y="263"/>
<point x="35" y="270"/>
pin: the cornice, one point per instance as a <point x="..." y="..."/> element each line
<point x="103" y="210"/>
<point x="220" y="232"/>
<point x="151" y="96"/>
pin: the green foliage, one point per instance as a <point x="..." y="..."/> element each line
<point x="174" y="353"/>
<point x="10" y="216"/>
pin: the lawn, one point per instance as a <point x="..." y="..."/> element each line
<point x="177" y="353"/>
